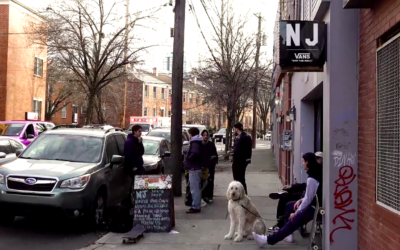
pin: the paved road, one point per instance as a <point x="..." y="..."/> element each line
<point x="45" y="234"/>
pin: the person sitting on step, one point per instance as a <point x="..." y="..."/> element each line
<point x="301" y="212"/>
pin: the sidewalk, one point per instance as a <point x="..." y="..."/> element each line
<point x="206" y="231"/>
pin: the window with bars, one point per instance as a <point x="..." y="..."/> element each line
<point x="388" y="126"/>
<point x="38" y="67"/>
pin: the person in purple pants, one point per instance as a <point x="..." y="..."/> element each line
<point x="302" y="211"/>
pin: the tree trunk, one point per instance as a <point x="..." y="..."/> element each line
<point x="89" y="108"/>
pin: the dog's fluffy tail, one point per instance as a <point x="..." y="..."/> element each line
<point x="259" y="227"/>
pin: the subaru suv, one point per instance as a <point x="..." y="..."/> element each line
<point x="79" y="172"/>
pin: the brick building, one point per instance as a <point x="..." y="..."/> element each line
<point x="379" y="125"/>
<point x="71" y="113"/>
<point x="22" y="65"/>
<point x="151" y="97"/>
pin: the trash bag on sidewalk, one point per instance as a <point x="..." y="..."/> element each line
<point x="204" y="181"/>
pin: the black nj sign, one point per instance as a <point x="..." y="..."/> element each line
<point x="302" y="44"/>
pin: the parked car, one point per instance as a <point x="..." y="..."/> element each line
<point x="156" y="155"/>
<point x="146" y="128"/>
<point x="200" y="127"/>
<point x="220" y="135"/>
<point x="268" y="136"/>
<point x="8" y="148"/>
<point x="77" y="171"/>
<point x="166" y="133"/>
<point x="24" y="131"/>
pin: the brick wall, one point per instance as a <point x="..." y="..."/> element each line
<point x="134" y="103"/>
<point x="59" y="119"/>
<point x="22" y="85"/>
<point x="4" y="14"/>
<point x="378" y="228"/>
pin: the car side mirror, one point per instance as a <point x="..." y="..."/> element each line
<point x="185" y="143"/>
<point x="18" y="152"/>
<point x="2" y="155"/>
<point x="116" y="159"/>
<point x="167" y="154"/>
<point x="30" y="136"/>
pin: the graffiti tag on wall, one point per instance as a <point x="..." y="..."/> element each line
<point x="343" y="198"/>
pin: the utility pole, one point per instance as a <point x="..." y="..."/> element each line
<point x="255" y="99"/>
<point x="177" y="89"/>
<point x="126" y="66"/>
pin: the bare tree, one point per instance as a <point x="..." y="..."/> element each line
<point x="89" y="37"/>
<point x="60" y="88"/>
<point x="228" y="70"/>
<point x="263" y="104"/>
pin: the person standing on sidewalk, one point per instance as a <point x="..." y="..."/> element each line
<point x="193" y="163"/>
<point x="242" y="151"/>
<point x="210" y="159"/>
<point x="134" y="151"/>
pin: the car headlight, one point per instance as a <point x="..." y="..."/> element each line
<point x="1" y="179"/>
<point x="76" y="183"/>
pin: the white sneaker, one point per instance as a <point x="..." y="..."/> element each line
<point x="203" y="203"/>
<point x="289" y="239"/>
<point x="260" y="239"/>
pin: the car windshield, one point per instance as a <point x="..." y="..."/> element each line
<point x="73" y="148"/>
<point x="222" y="131"/>
<point x="151" y="147"/>
<point x="162" y="134"/>
<point x="145" y="127"/>
<point x="11" y="129"/>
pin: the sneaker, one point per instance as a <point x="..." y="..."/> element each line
<point x="210" y="201"/>
<point x="289" y="239"/>
<point x="278" y="195"/>
<point x="193" y="211"/>
<point x="203" y="203"/>
<point x="273" y="229"/>
<point x="260" y="239"/>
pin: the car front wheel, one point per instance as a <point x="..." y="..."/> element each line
<point x="96" y="216"/>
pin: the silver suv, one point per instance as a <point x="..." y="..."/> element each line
<point x="77" y="171"/>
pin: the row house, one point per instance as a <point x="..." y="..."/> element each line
<point x="22" y="65"/>
<point x="151" y="96"/>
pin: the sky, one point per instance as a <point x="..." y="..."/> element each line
<point x="158" y="31"/>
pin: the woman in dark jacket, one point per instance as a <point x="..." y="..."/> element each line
<point x="302" y="211"/>
<point x="209" y="160"/>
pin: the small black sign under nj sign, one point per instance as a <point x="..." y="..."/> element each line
<point x="302" y="46"/>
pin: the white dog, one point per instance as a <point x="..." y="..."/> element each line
<point x="244" y="215"/>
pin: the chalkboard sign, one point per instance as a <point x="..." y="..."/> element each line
<point x="154" y="203"/>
